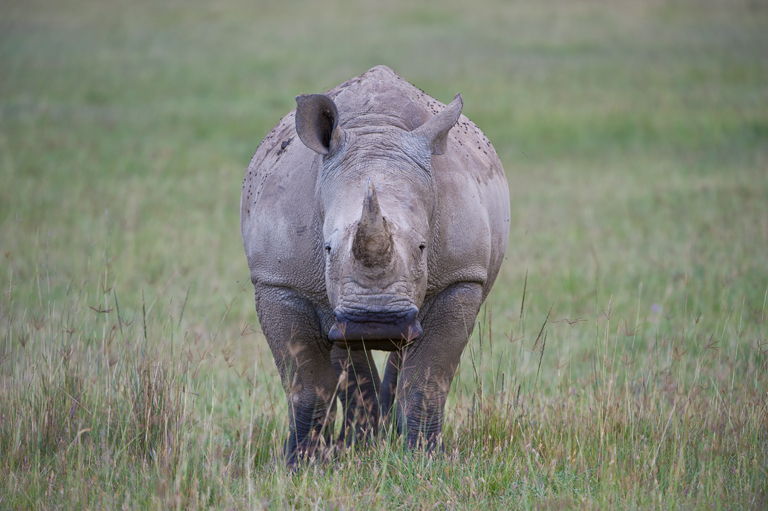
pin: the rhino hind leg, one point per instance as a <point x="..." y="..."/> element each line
<point x="292" y="328"/>
<point x="389" y="388"/>
<point x="428" y="366"/>
<point x="358" y="389"/>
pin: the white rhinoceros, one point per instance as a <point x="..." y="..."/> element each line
<point x="373" y="218"/>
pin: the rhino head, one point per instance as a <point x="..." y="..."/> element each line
<point x="377" y="203"/>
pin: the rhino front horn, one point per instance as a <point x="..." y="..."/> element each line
<point x="372" y="245"/>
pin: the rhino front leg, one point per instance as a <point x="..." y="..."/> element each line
<point x="359" y="388"/>
<point x="293" y="330"/>
<point x="429" y="365"/>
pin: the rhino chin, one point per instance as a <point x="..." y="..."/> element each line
<point x="357" y="335"/>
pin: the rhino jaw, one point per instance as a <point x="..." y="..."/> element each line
<point x="377" y="331"/>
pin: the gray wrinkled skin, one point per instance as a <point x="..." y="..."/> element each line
<point x="373" y="217"/>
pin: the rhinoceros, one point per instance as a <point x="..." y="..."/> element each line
<point x="373" y="217"/>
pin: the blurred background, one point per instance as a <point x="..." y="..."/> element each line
<point x="619" y="362"/>
<point x="634" y="136"/>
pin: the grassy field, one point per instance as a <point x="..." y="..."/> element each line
<point x="621" y="361"/>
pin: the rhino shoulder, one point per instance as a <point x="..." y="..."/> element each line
<point x="278" y="212"/>
<point x="473" y="216"/>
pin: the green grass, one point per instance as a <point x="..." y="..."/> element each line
<point x="635" y="139"/>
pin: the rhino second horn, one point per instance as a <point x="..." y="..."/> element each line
<point x="372" y="245"/>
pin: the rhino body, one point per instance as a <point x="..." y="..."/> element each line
<point x="372" y="217"/>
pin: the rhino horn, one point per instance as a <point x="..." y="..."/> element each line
<point x="435" y="130"/>
<point x="372" y="245"/>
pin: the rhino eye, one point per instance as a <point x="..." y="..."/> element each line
<point x="328" y="248"/>
<point x="422" y="246"/>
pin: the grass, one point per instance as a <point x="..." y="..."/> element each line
<point x="635" y="139"/>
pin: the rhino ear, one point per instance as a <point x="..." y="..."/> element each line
<point x="436" y="129"/>
<point x="317" y="120"/>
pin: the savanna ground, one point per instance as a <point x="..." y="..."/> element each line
<point x="620" y="362"/>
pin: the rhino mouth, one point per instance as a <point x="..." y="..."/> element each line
<point x="375" y="328"/>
